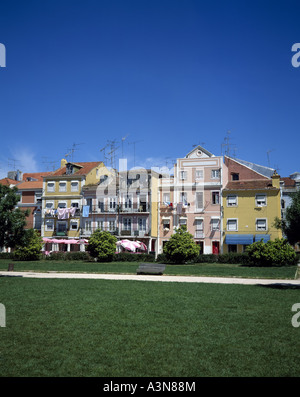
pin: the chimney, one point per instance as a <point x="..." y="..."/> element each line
<point x="276" y="180"/>
<point x="63" y="163"/>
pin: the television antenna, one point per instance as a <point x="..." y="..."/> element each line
<point x="268" y="156"/>
<point x="72" y="150"/>
<point x="123" y="139"/>
<point x="133" y="143"/>
<point x="12" y="163"/>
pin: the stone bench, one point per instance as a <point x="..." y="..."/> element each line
<point x="150" y="268"/>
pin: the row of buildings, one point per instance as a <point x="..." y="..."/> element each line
<point x="225" y="203"/>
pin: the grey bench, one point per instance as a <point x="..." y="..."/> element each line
<point x="150" y="268"/>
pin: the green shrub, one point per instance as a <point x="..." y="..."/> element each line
<point x="181" y="247"/>
<point x="30" y="250"/>
<point x="206" y="258"/>
<point x="233" y="258"/>
<point x="273" y="253"/>
<point x="130" y="257"/>
<point x="102" y="245"/>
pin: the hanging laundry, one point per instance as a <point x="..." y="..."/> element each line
<point x="72" y="211"/>
<point x="62" y="213"/>
<point x="85" y="211"/>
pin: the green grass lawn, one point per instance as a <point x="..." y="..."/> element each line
<point x="132" y="328"/>
<point x="200" y="269"/>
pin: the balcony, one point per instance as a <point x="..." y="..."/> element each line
<point x="117" y="232"/>
<point x="52" y="213"/>
<point x="119" y="208"/>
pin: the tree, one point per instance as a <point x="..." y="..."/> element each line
<point x="31" y="248"/>
<point x="102" y="245"/>
<point x="12" y="219"/>
<point x="181" y="247"/>
<point x="291" y="224"/>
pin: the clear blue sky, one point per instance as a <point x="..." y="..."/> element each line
<point x="168" y="74"/>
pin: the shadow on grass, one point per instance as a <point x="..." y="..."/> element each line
<point x="280" y="286"/>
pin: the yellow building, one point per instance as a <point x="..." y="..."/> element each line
<point x="249" y="210"/>
<point x="62" y="197"/>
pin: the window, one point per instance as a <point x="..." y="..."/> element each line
<point x="261" y="224"/>
<point x="231" y="201"/>
<point x="166" y="198"/>
<point x="166" y="224"/>
<point x="260" y="200"/>
<point x="216" y="197"/>
<point x="49" y="225"/>
<point x="183" y="175"/>
<point x="232" y="248"/>
<point x="183" y="221"/>
<point x="127" y="202"/>
<point x="50" y="187"/>
<point x="183" y="198"/>
<point x="112" y="226"/>
<point x="38" y="197"/>
<point x="112" y="203"/>
<point x="73" y="225"/>
<point x="235" y="176"/>
<point x="88" y="225"/>
<point x="74" y="186"/>
<point x="61" y="227"/>
<point x="49" y="204"/>
<point x="215" y="174"/>
<point x="199" y="174"/>
<point x="127" y="224"/>
<point x="100" y="225"/>
<point x="199" y="201"/>
<point x="62" y="204"/>
<point x="215" y="224"/>
<point x="62" y="186"/>
<point x="199" y="228"/>
<point x="142" y="224"/>
<point x="232" y="225"/>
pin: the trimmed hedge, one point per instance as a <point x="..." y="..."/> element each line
<point x="128" y="257"/>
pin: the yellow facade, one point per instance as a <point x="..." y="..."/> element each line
<point x="250" y="212"/>
<point x="65" y="191"/>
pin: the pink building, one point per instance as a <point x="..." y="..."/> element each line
<point x="192" y="197"/>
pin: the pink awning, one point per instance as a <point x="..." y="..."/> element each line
<point x="64" y="241"/>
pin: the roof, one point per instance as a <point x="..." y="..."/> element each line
<point x="261" y="169"/>
<point x="85" y="168"/>
<point x="202" y="150"/>
<point x="35" y="175"/>
<point x="8" y="182"/>
<point x="288" y="182"/>
<point x="31" y="185"/>
<point x="252" y="184"/>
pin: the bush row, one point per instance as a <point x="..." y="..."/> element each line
<point x="231" y="258"/>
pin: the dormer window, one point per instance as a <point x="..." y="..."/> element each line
<point x="235" y="176"/>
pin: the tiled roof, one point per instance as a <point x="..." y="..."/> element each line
<point x="86" y="168"/>
<point x="254" y="184"/>
<point x="8" y="182"/>
<point x="30" y="185"/>
<point x="288" y="182"/>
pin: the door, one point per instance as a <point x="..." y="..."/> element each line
<point x="216" y="247"/>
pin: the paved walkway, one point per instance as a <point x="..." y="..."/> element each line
<point x="140" y="277"/>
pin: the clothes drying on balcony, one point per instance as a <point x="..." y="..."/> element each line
<point x="85" y="211"/>
<point x="61" y="213"/>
